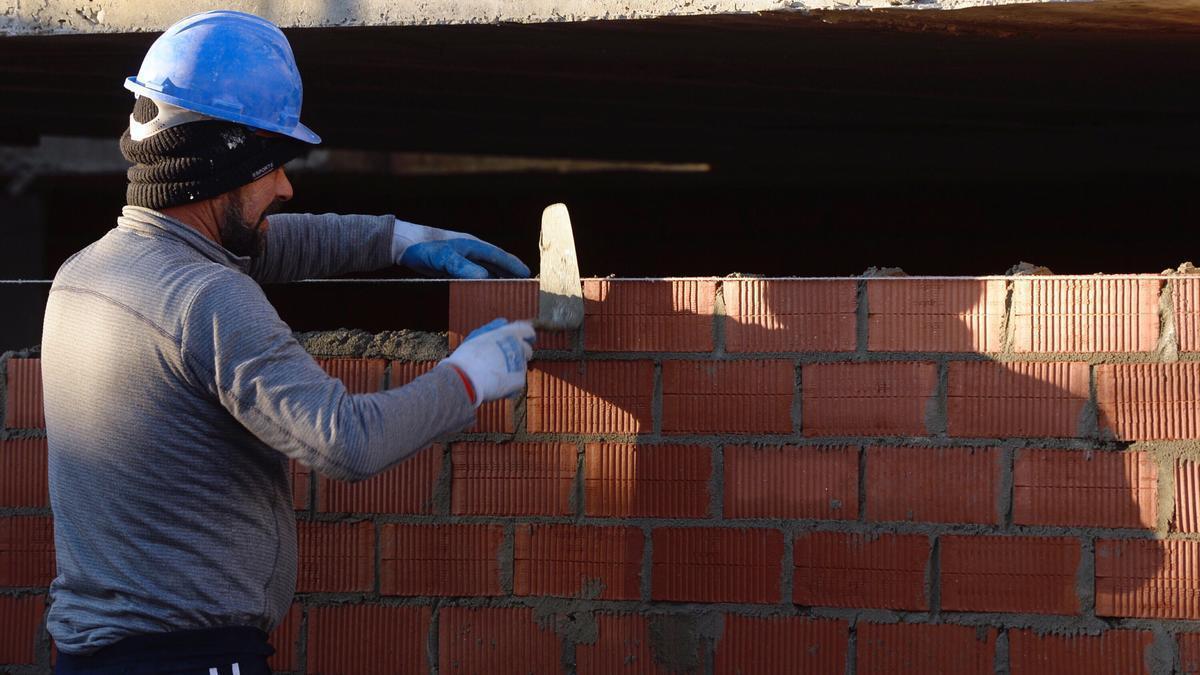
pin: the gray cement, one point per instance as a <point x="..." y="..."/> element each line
<point x="505" y="557"/>
<point x="1024" y="269"/>
<point x="401" y="345"/>
<point x="1001" y="662"/>
<point x="1162" y="656"/>
<point x="130" y="16"/>
<point x="1085" y="578"/>
<point x="1168" y="337"/>
<point x="1183" y="268"/>
<point x="676" y="639"/>
<point x="441" y="490"/>
<point x="572" y="618"/>
<point x="874" y="272"/>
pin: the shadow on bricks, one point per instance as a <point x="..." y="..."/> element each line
<point x="853" y="407"/>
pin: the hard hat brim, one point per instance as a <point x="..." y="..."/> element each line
<point x="299" y="132"/>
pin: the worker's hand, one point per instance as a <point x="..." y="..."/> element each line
<point x="493" y="358"/>
<point x="434" y="252"/>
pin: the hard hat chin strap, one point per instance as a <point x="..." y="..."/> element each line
<point x="168" y="116"/>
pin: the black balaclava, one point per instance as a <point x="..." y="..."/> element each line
<point x="197" y="160"/>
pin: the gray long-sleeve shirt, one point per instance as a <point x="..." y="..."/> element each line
<point x="174" y="397"/>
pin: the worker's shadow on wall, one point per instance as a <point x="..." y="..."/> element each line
<point x="1007" y="399"/>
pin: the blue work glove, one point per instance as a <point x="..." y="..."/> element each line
<point x="494" y="357"/>
<point x="434" y="252"/>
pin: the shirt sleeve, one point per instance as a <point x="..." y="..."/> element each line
<point x="235" y="345"/>
<point x="307" y="246"/>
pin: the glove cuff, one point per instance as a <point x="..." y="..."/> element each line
<point x="401" y="239"/>
<point x="474" y="398"/>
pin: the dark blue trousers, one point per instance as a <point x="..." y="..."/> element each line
<point x="213" y="651"/>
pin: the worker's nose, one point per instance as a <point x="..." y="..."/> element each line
<point x="283" y="187"/>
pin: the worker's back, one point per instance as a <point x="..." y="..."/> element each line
<point x="169" y="515"/>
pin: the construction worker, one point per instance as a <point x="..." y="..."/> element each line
<point x="174" y="393"/>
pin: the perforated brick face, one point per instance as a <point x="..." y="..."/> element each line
<point x="711" y="475"/>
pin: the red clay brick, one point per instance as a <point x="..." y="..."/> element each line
<point x="23" y="473"/>
<point x="1185" y="294"/>
<point x="368" y="639"/>
<point x="449" y="560"/>
<point x="934" y="315"/>
<point x="361" y="376"/>
<point x="26" y="551"/>
<point x="945" y="485"/>
<point x="301" y="485"/>
<point x="1148" y="578"/>
<point x="1189" y="653"/>
<point x="1149" y="401"/>
<point x="22" y="621"/>
<point x="1062" y="315"/>
<point x="474" y="303"/>
<point x="1187" y="497"/>
<point x="405" y="488"/>
<point x="781" y="645"/>
<point x="839" y="569"/>
<point x="661" y="481"/>
<point x="594" y="397"/>
<point x="866" y="399"/>
<point x="336" y="557"/>
<point x="648" y="316"/>
<point x="513" y="478"/>
<point x="777" y="315"/>
<point x="402" y="372"/>
<point x="1089" y="489"/>
<point x="503" y="641"/>
<point x="578" y="561"/>
<point x="1120" y="652"/>
<point x="494" y="417"/>
<point x="791" y="482"/>
<point x="987" y="399"/>
<point x="285" y="638"/>
<point x="23" y="404"/>
<point x="1009" y="574"/>
<point x="716" y="565"/>
<point x="623" y="645"/>
<point x="925" y="649"/>
<point x="732" y="397"/>
<point x="491" y="417"/>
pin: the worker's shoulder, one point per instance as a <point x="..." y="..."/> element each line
<point x="158" y="283"/>
<point x="125" y="256"/>
<point x="213" y="287"/>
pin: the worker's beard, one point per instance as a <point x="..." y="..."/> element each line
<point x="240" y="237"/>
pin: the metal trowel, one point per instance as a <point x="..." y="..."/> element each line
<point x="560" y="294"/>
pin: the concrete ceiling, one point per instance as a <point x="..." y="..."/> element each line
<point x="132" y="16"/>
<point x="1106" y="87"/>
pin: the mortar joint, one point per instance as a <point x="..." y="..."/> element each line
<point x="861" y="317"/>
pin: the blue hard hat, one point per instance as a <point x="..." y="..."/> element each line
<point x="228" y="65"/>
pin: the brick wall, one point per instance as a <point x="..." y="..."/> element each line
<point x="911" y="475"/>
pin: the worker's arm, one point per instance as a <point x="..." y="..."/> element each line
<point x="307" y="246"/>
<point x="304" y="246"/>
<point x="235" y="346"/>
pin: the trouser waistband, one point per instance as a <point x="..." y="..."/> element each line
<point x="175" y="645"/>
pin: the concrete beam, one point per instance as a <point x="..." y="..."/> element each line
<point x="57" y="155"/>
<point x="137" y="16"/>
<point x="63" y="155"/>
